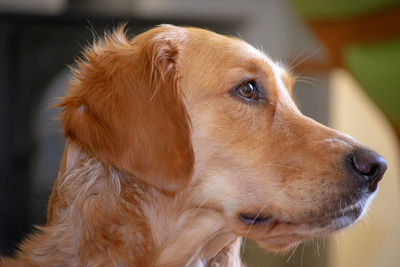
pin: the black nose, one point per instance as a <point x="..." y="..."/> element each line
<point x="368" y="165"/>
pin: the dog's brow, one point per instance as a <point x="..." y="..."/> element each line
<point x="278" y="72"/>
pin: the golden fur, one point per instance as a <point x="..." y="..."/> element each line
<point x="161" y="157"/>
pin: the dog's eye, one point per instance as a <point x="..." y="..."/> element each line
<point x="248" y="90"/>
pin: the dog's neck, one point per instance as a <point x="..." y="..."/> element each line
<point x="187" y="233"/>
<point x="161" y="229"/>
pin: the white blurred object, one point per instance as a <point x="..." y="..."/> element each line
<point x="52" y="7"/>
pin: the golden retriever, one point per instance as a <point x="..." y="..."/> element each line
<point x="181" y="141"/>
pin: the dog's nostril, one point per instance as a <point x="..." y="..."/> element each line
<point x="368" y="164"/>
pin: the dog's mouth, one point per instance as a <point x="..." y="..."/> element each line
<point x="267" y="228"/>
<point x="255" y="219"/>
<point x="344" y="217"/>
<point x="335" y="220"/>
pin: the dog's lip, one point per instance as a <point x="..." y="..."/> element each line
<point x="352" y="211"/>
<point x="271" y="226"/>
<point x="348" y="210"/>
<point x="332" y="221"/>
<point x="255" y="219"/>
<point x="277" y="233"/>
<point x="346" y="216"/>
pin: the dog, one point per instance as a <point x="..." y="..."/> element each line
<point x="181" y="141"/>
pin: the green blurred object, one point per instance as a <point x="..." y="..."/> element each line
<point x="377" y="68"/>
<point x="339" y="9"/>
<point x="364" y="37"/>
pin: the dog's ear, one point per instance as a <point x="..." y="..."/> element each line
<point x="125" y="107"/>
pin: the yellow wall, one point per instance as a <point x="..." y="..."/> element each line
<point x="374" y="241"/>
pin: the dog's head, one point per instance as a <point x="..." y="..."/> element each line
<point x="185" y="109"/>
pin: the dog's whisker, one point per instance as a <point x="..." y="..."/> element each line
<point x="258" y="214"/>
<point x="191" y="220"/>
<point x="367" y="221"/>
<point x="311" y="83"/>
<point x="296" y="58"/>
<point x="342" y="233"/>
<point x="310" y="80"/>
<point x="371" y="208"/>
<point x="319" y="255"/>
<point x="292" y="67"/>
<point x="292" y="253"/>
<point x="313" y="245"/>
<point x="307" y="78"/>
<point x="262" y="209"/>
<point x="286" y="167"/>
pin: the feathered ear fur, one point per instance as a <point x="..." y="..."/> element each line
<point x="125" y="108"/>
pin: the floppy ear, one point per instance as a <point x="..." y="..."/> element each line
<point x="125" y="108"/>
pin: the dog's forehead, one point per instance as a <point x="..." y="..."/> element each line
<point x="240" y="51"/>
<point x="221" y="44"/>
<point x="217" y="63"/>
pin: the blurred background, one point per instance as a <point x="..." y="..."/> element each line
<point x="346" y="55"/>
